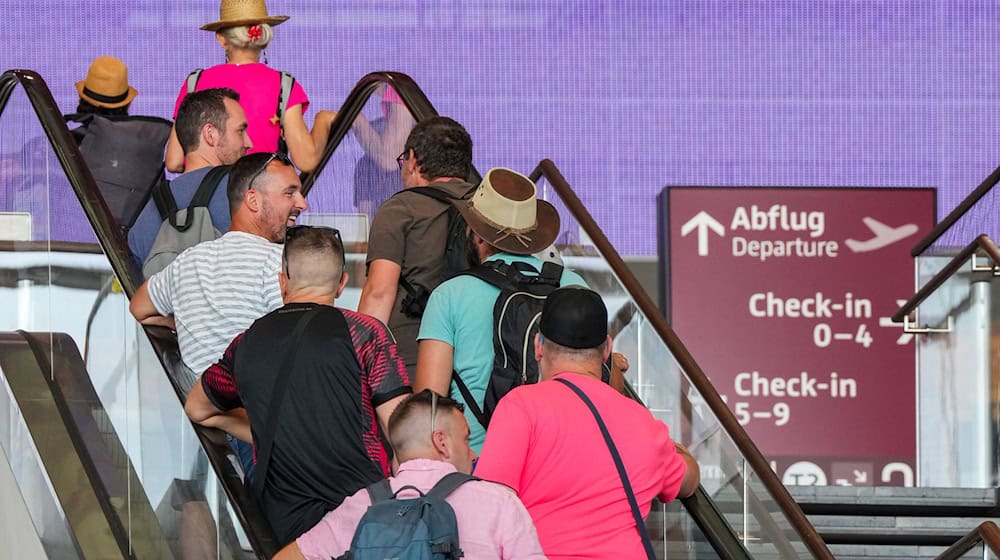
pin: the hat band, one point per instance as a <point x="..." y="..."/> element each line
<point x="105" y="98"/>
<point x="506" y="231"/>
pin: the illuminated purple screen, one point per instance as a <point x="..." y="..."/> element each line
<point x="626" y="97"/>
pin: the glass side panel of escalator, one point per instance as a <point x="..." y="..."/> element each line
<point x="55" y="278"/>
<point x="663" y="386"/>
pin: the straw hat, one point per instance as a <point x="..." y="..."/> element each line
<point x="506" y="213"/>
<point x="106" y="84"/>
<point x="234" y="13"/>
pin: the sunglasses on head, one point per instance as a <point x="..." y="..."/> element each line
<point x="294" y="231"/>
<point x="275" y="156"/>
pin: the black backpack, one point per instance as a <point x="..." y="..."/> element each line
<point x="515" y="321"/>
<point x="421" y="528"/>
<point x="456" y="252"/>
<point x="182" y="228"/>
<point x="125" y="156"/>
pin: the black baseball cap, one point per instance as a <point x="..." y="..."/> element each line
<point x="574" y="317"/>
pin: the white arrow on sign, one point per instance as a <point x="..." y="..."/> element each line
<point x="702" y="221"/>
<point x="905" y="337"/>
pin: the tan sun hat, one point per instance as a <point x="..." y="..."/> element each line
<point x="234" y="13"/>
<point x="506" y="213"/>
<point x="106" y="84"/>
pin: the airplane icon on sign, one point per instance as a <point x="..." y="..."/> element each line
<point x="884" y="235"/>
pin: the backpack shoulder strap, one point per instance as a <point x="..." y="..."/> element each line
<point x="192" y="80"/>
<point x="164" y="201"/>
<point x="448" y="484"/>
<point x="470" y="401"/>
<point x="209" y="183"/>
<point x="433" y="192"/>
<point x="496" y="273"/>
<point x="380" y="491"/>
<point x="284" y="93"/>
<point x="551" y="272"/>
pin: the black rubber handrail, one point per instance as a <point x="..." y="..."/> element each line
<point x="810" y="537"/>
<point x="981" y="243"/>
<point x="944" y="225"/>
<point x="113" y="242"/>
<point x="109" y="235"/>
<point x="413" y="98"/>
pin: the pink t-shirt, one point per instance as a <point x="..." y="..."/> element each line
<point x="258" y="86"/>
<point x="492" y="522"/>
<point x="544" y="443"/>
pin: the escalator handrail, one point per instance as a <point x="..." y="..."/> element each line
<point x="987" y="533"/>
<point x="709" y="519"/>
<point x="115" y="246"/>
<point x="413" y="98"/>
<point x="982" y="243"/>
<point x="109" y="234"/>
<point x="810" y="537"/>
<point x="963" y="207"/>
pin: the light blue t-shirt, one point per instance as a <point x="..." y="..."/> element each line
<point x="461" y="309"/>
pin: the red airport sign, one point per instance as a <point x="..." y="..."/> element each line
<point x="783" y="296"/>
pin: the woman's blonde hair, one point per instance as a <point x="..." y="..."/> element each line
<point x="239" y="36"/>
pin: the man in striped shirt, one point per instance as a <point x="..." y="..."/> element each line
<point x="216" y="289"/>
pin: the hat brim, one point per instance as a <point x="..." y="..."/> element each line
<point x="541" y="237"/>
<point x="270" y="20"/>
<point x="132" y="92"/>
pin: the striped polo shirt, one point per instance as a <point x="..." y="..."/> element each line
<point x="216" y="290"/>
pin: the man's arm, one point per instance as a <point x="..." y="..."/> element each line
<point x="692" y="475"/>
<point x="384" y="410"/>
<point x="379" y="293"/>
<point x="434" y="366"/>
<point x="145" y="312"/>
<point x="201" y="411"/>
<point x="290" y="552"/>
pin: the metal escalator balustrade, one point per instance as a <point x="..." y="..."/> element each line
<point x="741" y="506"/>
<point x="49" y="285"/>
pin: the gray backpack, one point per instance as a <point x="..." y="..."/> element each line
<point x="185" y="227"/>
<point x="421" y="528"/>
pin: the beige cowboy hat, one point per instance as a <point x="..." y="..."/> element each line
<point x="106" y="84"/>
<point x="234" y="13"/>
<point x="506" y="213"/>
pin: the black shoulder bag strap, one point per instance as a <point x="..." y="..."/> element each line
<point x="439" y="195"/>
<point x="497" y="273"/>
<point x="265" y="439"/>
<point x="636" y="514"/>
<point x="164" y="200"/>
<point x="207" y="187"/>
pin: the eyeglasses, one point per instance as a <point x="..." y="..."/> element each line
<point x="275" y="156"/>
<point x="434" y="409"/>
<point x="292" y="232"/>
<point x="403" y="157"/>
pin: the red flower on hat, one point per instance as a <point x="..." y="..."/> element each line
<point x="255" y="32"/>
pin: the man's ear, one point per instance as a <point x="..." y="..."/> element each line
<point x="251" y="200"/>
<point x="343" y="283"/>
<point x="283" y="283"/>
<point x="209" y="135"/>
<point x="440" y="441"/>
<point x="607" y="348"/>
<point x="538" y="347"/>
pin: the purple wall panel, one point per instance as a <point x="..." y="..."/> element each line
<point x="626" y="97"/>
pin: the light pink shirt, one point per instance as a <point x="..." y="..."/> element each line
<point x="492" y="522"/>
